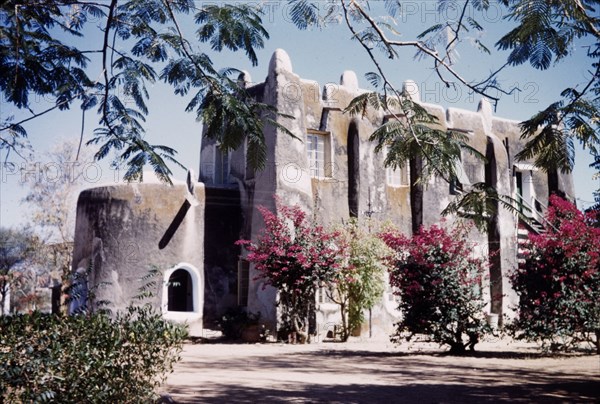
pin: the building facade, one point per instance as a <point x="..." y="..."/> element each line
<point x="332" y="171"/>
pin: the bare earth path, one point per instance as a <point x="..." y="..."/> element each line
<point x="376" y="372"/>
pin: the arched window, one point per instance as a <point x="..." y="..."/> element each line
<point x="180" y="291"/>
<point x="183" y="293"/>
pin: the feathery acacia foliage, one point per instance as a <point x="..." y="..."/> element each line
<point x="545" y="32"/>
<point x="413" y="133"/>
<point x="37" y="53"/>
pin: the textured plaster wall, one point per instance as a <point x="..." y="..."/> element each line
<point x="287" y="175"/>
<point x="117" y="236"/>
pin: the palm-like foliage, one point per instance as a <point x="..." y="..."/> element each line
<point x="413" y="132"/>
<point x="546" y="29"/>
<point x="551" y="133"/>
<point x="545" y="32"/>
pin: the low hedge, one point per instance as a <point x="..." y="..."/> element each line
<point x="88" y="357"/>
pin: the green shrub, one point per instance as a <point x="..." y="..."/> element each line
<point x="86" y="358"/>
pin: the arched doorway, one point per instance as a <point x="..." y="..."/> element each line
<point x="180" y="291"/>
<point x="183" y="294"/>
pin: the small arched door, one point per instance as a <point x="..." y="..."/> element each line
<point x="180" y="291"/>
<point x="183" y="293"/>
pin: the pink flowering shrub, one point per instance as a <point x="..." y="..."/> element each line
<point x="439" y="285"/>
<point x="294" y="255"/>
<point x="559" y="284"/>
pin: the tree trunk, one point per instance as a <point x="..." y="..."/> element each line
<point x="3" y="292"/>
<point x="301" y="334"/>
<point x="345" y="331"/>
<point x="598" y="341"/>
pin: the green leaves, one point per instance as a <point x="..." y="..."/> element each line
<point x="138" y="36"/>
<point x="232" y="26"/>
<point x="480" y="203"/>
<point x="360" y="281"/>
<point x="34" y="61"/>
<point x="231" y="117"/>
<point x="550" y="133"/>
<point x="547" y="29"/>
<point x="412" y="132"/>
<point x="86" y="358"/>
<point x="304" y="13"/>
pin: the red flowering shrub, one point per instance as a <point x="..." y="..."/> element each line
<point x="559" y="284"/>
<point x="439" y="285"/>
<point x="294" y="255"/>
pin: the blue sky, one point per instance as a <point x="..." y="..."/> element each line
<point x="320" y="55"/>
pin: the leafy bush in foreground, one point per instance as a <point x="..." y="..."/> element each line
<point x="439" y="284"/>
<point x="87" y="357"/>
<point x="294" y="255"/>
<point x="559" y="284"/>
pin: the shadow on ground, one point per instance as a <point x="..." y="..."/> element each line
<point x="329" y="375"/>
<point x="565" y="392"/>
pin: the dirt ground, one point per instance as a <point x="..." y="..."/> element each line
<point x="380" y="372"/>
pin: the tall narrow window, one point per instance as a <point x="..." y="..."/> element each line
<point x="397" y="177"/>
<point x="221" y="167"/>
<point x="353" y="170"/>
<point x="525" y="191"/>
<point x="243" y="282"/>
<point x="319" y="154"/>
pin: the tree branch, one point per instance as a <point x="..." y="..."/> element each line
<point x="423" y="48"/>
<point x="105" y="48"/>
<point x="392" y="88"/>
<point x="571" y="105"/>
<point x="456" y="31"/>
<point x="184" y="45"/>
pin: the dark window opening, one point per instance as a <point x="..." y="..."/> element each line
<point x="353" y="170"/>
<point x="456" y="187"/>
<point x="243" y="282"/>
<point x="519" y="180"/>
<point x="180" y="291"/>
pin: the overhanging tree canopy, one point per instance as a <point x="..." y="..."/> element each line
<point x="142" y="42"/>
<point x="139" y="37"/>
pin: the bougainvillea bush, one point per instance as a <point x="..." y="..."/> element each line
<point x="294" y="255"/>
<point x="559" y="283"/>
<point x="439" y="283"/>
